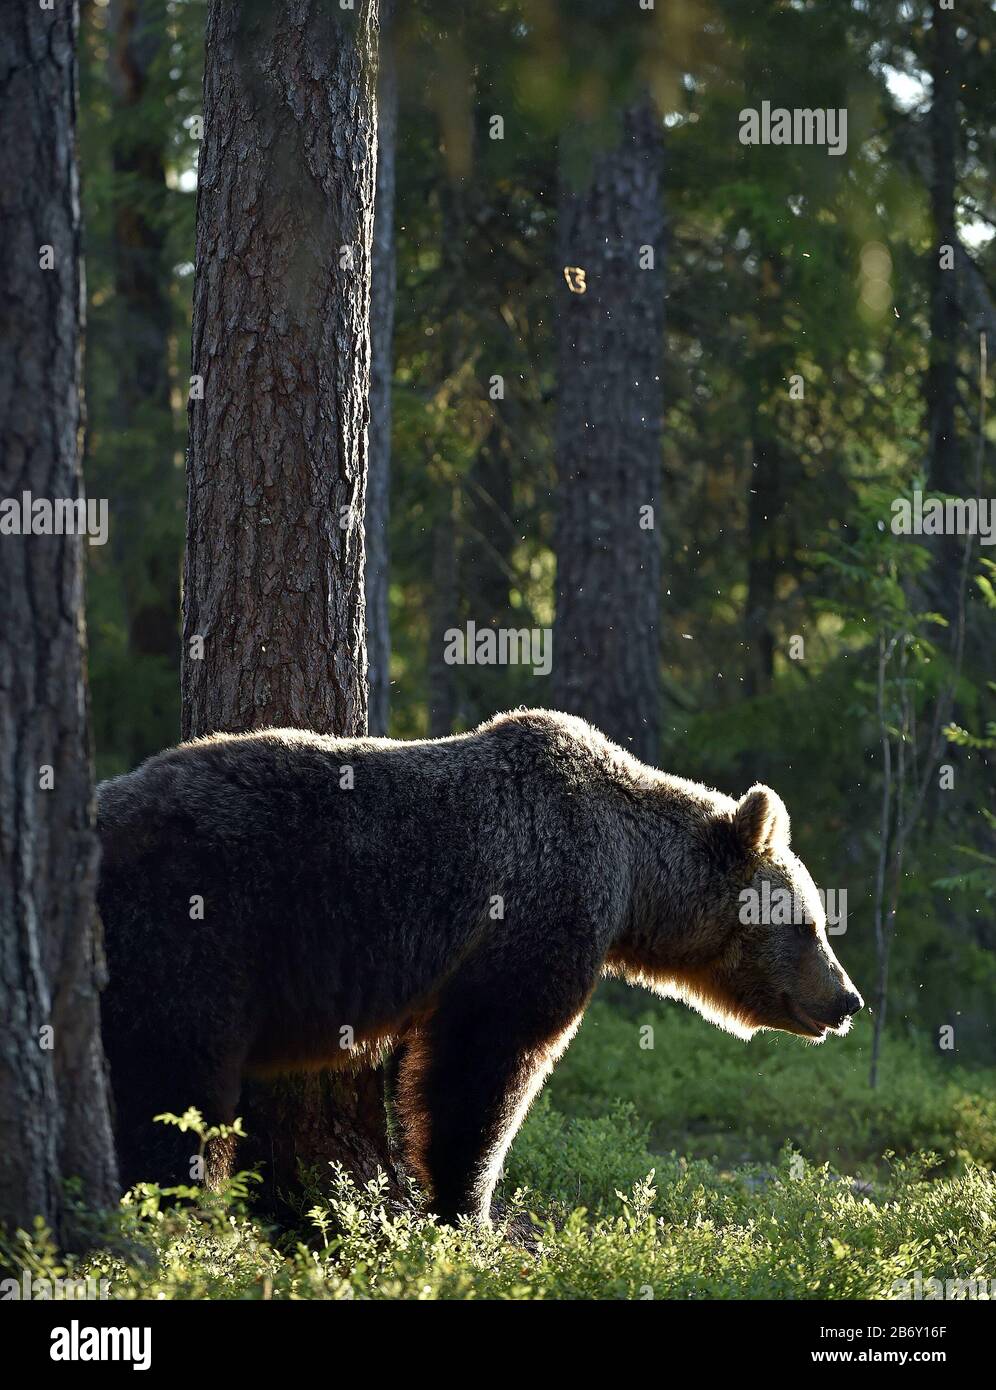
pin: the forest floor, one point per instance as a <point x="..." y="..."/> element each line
<point x="666" y="1161"/>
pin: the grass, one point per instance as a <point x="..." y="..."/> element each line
<point x="693" y="1168"/>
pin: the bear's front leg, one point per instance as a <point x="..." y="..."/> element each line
<point x="467" y="1079"/>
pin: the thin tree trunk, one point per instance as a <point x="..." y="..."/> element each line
<point x="896" y="827"/>
<point x="278" y="448"/>
<point x="486" y="553"/>
<point x="486" y="562"/>
<point x="942" y="371"/>
<point x="444" y="600"/>
<point x="148" y="487"/>
<point x="443" y="614"/>
<point x="381" y="373"/>
<point x="606" y="657"/>
<point x="764" y="504"/>
<point x="54" y="1114"/>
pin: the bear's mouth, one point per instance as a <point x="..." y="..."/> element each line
<point x="805" y="1023"/>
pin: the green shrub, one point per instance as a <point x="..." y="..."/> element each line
<point x="616" y="1166"/>
<point x="710" y="1095"/>
<point x="800" y="1233"/>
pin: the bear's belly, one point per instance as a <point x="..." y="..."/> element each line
<point x="335" y="1050"/>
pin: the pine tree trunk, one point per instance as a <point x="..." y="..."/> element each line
<point x="54" y="1113"/>
<point x="606" y="655"/>
<point x="278" y="445"/>
<point x="381" y="373"/>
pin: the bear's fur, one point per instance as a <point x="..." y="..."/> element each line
<point x="464" y="894"/>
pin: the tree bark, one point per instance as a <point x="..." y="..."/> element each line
<point x="278" y="446"/>
<point x="606" y="659"/>
<point x="54" y="1113"/>
<point x="147" y="484"/>
<point x="381" y="373"/>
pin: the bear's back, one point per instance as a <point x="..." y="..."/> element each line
<point x="289" y="858"/>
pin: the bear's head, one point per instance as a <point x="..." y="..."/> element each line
<point x="776" y="968"/>
<point x="759" y="956"/>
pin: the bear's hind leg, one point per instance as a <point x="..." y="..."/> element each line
<point x="154" y="1082"/>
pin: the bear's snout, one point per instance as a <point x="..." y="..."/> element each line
<point x="823" y="1005"/>
<point x="850" y="1004"/>
<point x="847" y="1005"/>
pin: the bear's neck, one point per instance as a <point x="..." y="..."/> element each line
<point x="666" y="934"/>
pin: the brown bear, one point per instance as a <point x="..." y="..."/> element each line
<point x="267" y="896"/>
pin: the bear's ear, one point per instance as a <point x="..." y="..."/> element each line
<point x="761" y="820"/>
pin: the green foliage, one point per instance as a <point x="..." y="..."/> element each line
<point x="139" y="92"/>
<point x="709" y="1095"/>
<point x="728" y="1171"/>
<point x="681" y="1231"/>
<point x="980" y="880"/>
